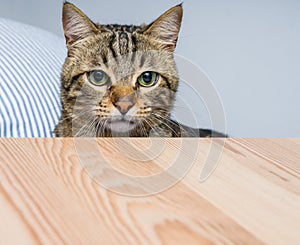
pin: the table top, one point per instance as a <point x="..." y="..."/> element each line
<point x="149" y="191"/>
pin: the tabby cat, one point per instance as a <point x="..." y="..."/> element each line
<point x="120" y="80"/>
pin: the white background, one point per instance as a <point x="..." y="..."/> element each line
<point x="249" y="49"/>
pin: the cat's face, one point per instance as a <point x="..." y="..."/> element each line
<point x="119" y="78"/>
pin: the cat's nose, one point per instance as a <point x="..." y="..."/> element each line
<point x="123" y="104"/>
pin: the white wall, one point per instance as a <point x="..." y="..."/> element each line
<point x="250" y="50"/>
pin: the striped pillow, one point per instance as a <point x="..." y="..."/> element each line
<point x="30" y="65"/>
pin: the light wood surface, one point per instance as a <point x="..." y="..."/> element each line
<point x="49" y="195"/>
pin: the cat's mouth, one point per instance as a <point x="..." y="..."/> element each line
<point x="120" y="125"/>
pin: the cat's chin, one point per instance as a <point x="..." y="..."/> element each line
<point x="121" y="126"/>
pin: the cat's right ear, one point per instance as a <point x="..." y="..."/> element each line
<point x="166" y="28"/>
<point x="76" y="24"/>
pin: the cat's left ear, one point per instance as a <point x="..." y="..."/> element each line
<point x="76" y="24"/>
<point x="166" y="28"/>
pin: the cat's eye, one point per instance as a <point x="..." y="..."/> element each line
<point x="98" y="78"/>
<point x="148" y="79"/>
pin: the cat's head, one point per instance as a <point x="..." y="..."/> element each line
<point x="121" y="78"/>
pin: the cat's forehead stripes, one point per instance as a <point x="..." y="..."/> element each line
<point x="123" y="40"/>
<point x="125" y="28"/>
<point x="120" y="56"/>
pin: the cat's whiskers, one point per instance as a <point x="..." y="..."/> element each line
<point x="90" y="120"/>
<point x="90" y="129"/>
<point x="75" y="116"/>
<point x="146" y="121"/>
<point x="141" y="125"/>
<point x="102" y="128"/>
<point x="97" y="128"/>
<point x="164" y="121"/>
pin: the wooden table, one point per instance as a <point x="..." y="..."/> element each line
<point x="47" y="195"/>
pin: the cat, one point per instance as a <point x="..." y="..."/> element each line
<point x="121" y="80"/>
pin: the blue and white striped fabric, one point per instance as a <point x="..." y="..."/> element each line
<point x="30" y="66"/>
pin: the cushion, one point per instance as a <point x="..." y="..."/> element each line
<point x="30" y="64"/>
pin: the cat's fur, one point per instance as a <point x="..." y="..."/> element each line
<point x="121" y="107"/>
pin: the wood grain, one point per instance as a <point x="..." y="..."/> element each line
<point x="47" y="197"/>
